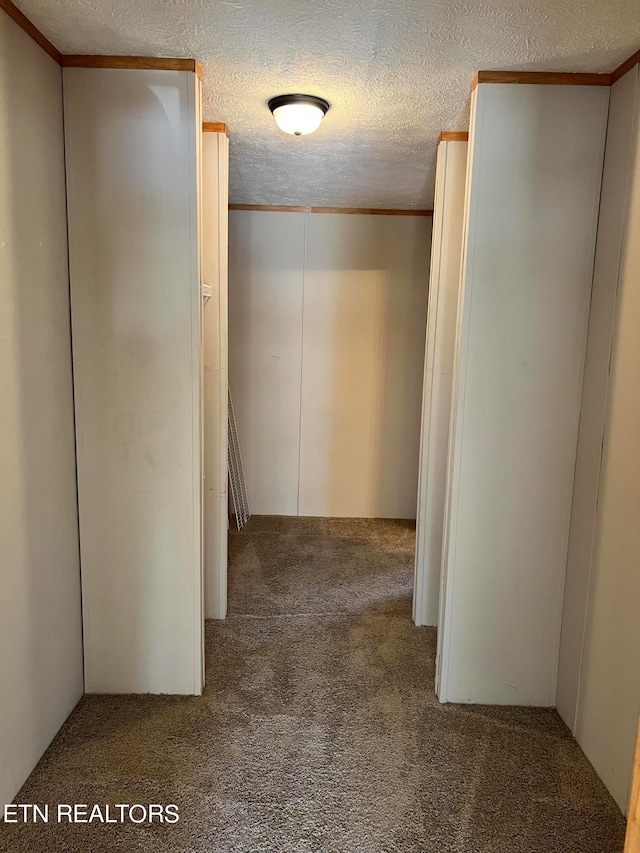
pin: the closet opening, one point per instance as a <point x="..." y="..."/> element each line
<point x="326" y="335"/>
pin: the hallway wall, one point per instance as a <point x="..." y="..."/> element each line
<point x="133" y="178"/>
<point x="534" y="178"/>
<point x="327" y="319"/>
<point x="40" y="627"/>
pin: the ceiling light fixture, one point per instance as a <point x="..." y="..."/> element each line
<point x="298" y="114"/>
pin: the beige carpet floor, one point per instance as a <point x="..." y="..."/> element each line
<point x="319" y="729"/>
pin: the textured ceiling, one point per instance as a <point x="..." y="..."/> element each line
<point x="395" y="71"/>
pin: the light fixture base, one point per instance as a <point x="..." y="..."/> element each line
<point x="284" y="100"/>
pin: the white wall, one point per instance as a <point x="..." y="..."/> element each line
<point x="444" y="288"/>
<point x="599" y="672"/>
<point x="327" y="316"/>
<point x="365" y="302"/>
<point x="266" y="261"/>
<point x="535" y="169"/>
<point x="617" y="173"/>
<point x="132" y="142"/>
<point x="215" y="203"/>
<point x="40" y="626"/>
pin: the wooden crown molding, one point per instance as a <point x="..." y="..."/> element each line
<point x="91" y="61"/>
<point x="146" y="63"/>
<point x="22" y="21"/>
<point x="627" y="65"/>
<point x="557" y="78"/>
<point x="542" y="78"/>
<point x="273" y="208"/>
<point x="453" y="136"/>
<point x="215" y="127"/>
<point x="372" y="211"/>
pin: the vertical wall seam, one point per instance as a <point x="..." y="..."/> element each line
<point x="553" y="693"/>
<point x="304" y="276"/>
<point x="596" y="229"/>
<point x="83" y="633"/>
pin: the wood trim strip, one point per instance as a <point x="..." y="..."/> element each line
<point x="542" y="78"/>
<point x="145" y="63"/>
<point x="557" y="78"/>
<point x="93" y="61"/>
<point x="453" y="136"/>
<point x="632" y="842"/>
<point x="31" y="30"/>
<point x="626" y="66"/>
<point x="215" y="127"/>
<point x="274" y="208"/>
<point x="374" y="211"/>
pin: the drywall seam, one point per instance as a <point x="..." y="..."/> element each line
<point x="595" y="510"/>
<point x="83" y="629"/>
<point x="78" y="425"/>
<point x="304" y="275"/>
<point x="589" y="275"/>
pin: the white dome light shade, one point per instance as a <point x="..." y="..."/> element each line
<point x="298" y="114"/>
<point x="298" y="119"/>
